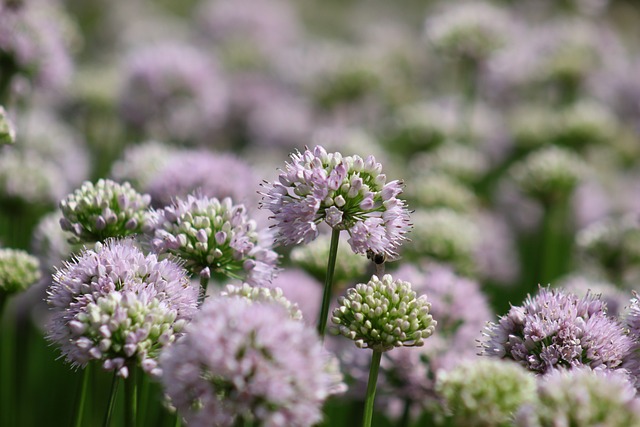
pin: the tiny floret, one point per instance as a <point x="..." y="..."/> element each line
<point x="18" y="270"/>
<point x="383" y="314"/>
<point x="107" y="209"/>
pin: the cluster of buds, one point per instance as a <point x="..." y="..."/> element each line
<point x="107" y="209"/>
<point x="263" y="294"/>
<point x="18" y="270"/>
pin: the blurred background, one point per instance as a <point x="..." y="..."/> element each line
<point x="515" y="126"/>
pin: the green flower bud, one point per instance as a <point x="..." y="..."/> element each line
<point x="18" y="270"/>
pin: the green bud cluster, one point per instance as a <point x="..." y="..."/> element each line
<point x="262" y="294"/>
<point x="383" y="314"/>
<point x="18" y="270"/>
<point x="438" y="190"/>
<point x="106" y="209"/>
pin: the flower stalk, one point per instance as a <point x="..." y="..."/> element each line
<point x="328" y="283"/>
<point x="371" y="388"/>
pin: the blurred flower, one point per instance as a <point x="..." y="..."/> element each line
<point x="18" y="271"/>
<point x="550" y="174"/>
<point x="437" y="190"/>
<point x="631" y="319"/>
<point x="348" y="193"/>
<point x="118" y="306"/>
<point x="556" y="330"/>
<point x="582" y="397"/>
<point x="140" y="163"/>
<point x="485" y="392"/>
<point x="582" y="285"/>
<point x="303" y="290"/>
<point x="218" y="175"/>
<point x="214" y="237"/>
<point x="466" y="163"/>
<point x="496" y="256"/>
<point x="261" y="294"/>
<point x="173" y="92"/>
<point x="107" y="209"/>
<point x="313" y="258"/>
<point x="50" y="243"/>
<point x="7" y="130"/>
<point x="384" y="314"/>
<point x="266" y="367"/>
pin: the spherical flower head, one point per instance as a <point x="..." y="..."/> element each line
<point x="437" y="190"/>
<point x="313" y="258"/>
<point x="266" y="367"/>
<point x="115" y="305"/>
<point x="18" y="270"/>
<point x="106" y="209"/>
<point x="348" y="193"/>
<point x="485" y="392"/>
<point x="262" y="294"/>
<point x="50" y="243"/>
<point x="214" y="237"/>
<point x="7" y="130"/>
<point x="140" y="163"/>
<point x="549" y="174"/>
<point x="582" y="397"/>
<point x="383" y="314"/>
<point x="554" y="330"/>
<point x="463" y="162"/>
<point x="468" y="30"/>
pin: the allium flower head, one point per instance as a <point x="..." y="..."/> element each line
<point x="485" y="392"/>
<point x="265" y="366"/>
<point x="556" y="330"/>
<point x="262" y="294"/>
<point x="348" y="193"/>
<point x="50" y="243"/>
<point x="7" y="130"/>
<point x="582" y="397"/>
<point x="303" y="290"/>
<point x="214" y="237"/>
<point x="437" y="190"/>
<point x="106" y="209"/>
<point x="18" y="270"/>
<point x="384" y="314"/>
<point x="549" y="174"/>
<point x="118" y="306"/>
<point x="465" y="163"/>
<point x="140" y="163"/>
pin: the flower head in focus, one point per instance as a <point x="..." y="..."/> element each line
<point x="266" y="367"/>
<point x="95" y="212"/>
<point x="384" y="314"/>
<point x="348" y="193"/>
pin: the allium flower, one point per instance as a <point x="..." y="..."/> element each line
<point x="631" y="317"/>
<point x="265" y="366"/>
<point x="18" y="271"/>
<point x="106" y="209"/>
<point x="556" y="330"/>
<point x="216" y="175"/>
<point x="303" y="290"/>
<point x="348" y="193"/>
<point x="463" y="162"/>
<point x="7" y="130"/>
<point x="437" y="190"/>
<point x="50" y="243"/>
<point x="117" y="306"/>
<point x="313" y="258"/>
<point x="214" y="237"/>
<point x="384" y="314"/>
<point x="485" y="392"/>
<point x="141" y="163"/>
<point x="549" y="174"/>
<point x="582" y="397"/>
<point x="581" y="285"/>
<point x="173" y="92"/>
<point x="261" y="294"/>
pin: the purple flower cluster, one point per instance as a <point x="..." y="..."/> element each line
<point x="248" y="360"/>
<point x="117" y="306"/>
<point x="556" y="330"/>
<point x="348" y="193"/>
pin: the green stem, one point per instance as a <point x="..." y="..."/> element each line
<point x="86" y="374"/>
<point x="178" y="420"/>
<point x="551" y="250"/>
<point x="371" y="388"/>
<point x="144" y="397"/>
<point x="112" y="400"/>
<point x="406" y="413"/>
<point x="7" y="364"/>
<point x="328" y="283"/>
<point x="131" y="397"/>
<point x="204" y="282"/>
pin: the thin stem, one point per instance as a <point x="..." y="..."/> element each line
<point x="86" y="375"/>
<point x="204" y="282"/>
<point x="328" y="283"/>
<point x="178" y="420"/>
<point x="406" y="413"/>
<point x="7" y="364"/>
<point x="371" y="388"/>
<point x="112" y="400"/>
<point x="131" y="397"/>
<point x="144" y="397"/>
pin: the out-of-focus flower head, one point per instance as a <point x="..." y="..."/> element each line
<point x="348" y="193"/>
<point x="261" y="294"/>
<point x="383" y="314"/>
<point x="445" y="236"/>
<point x="50" y="243"/>
<point x="466" y="163"/>
<point x="7" y="129"/>
<point x="495" y="254"/>
<point x="173" y="92"/>
<point x="214" y="237"/>
<point x="582" y="285"/>
<point x="562" y="398"/>
<point x="303" y="290"/>
<point x="554" y="330"/>
<point x="115" y="305"/>
<point x="95" y="212"/>
<point x="218" y="175"/>
<point x="313" y="258"/>
<point x="437" y="190"/>
<point x="18" y="271"/>
<point x="140" y="163"/>
<point x="267" y="367"/>
<point x="468" y="30"/>
<point x="631" y="318"/>
<point x="549" y="174"/>
<point x="485" y="392"/>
